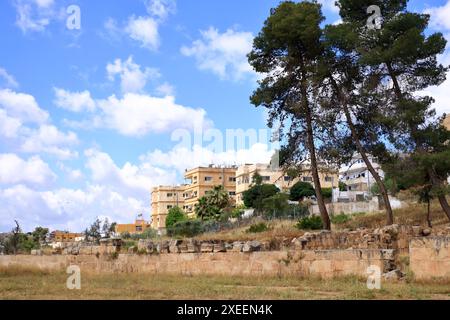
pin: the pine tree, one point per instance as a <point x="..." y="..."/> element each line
<point x="405" y="61"/>
<point x="287" y="51"/>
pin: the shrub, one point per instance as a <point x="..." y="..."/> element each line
<point x="340" y="218"/>
<point x="327" y="193"/>
<point x="300" y="190"/>
<point x="175" y="215"/>
<point x="188" y="228"/>
<point x="310" y="223"/>
<point x="259" y="227"/>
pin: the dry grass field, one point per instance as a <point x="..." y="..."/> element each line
<point x="33" y="284"/>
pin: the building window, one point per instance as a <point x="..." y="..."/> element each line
<point x="169" y="206"/>
<point x="232" y="179"/>
<point x="265" y="178"/>
<point x="170" y="195"/>
<point x="329" y="179"/>
<point x="307" y="179"/>
<point x="232" y="193"/>
<point x="138" y="228"/>
<point x="208" y="179"/>
<point x="287" y="178"/>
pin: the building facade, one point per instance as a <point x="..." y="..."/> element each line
<point x="139" y="226"/>
<point x="164" y="199"/>
<point x="201" y="180"/>
<point x="357" y="176"/>
<point x="328" y="178"/>
<point x="65" y="236"/>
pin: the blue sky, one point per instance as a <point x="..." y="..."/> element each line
<point x="87" y="115"/>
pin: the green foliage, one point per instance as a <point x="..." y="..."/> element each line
<point x="175" y="215"/>
<point x="93" y="233"/>
<point x="238" y="211"/>
<point x="213" y="205"/>
<point x="340" y="218"/>
<point x="146" y="234"/>
<point x="310" y="223"/>
<point x="390" y="185"/>
<point x="188" y="228"/>
<point x="259" y="227"/>
<point x="254" y="197"/>
<point x="300" y="190"/>
<point x="39" y="234"/>
<point x="327" y="193"/>
<point x="275" y="203"/>
<point x="342" y="186"/>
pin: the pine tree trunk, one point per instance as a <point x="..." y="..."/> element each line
<point x="315" y="176"/>
<point x="312" y="151"/>
<point x="362" y="152"/>
<point x="429" y="214"/>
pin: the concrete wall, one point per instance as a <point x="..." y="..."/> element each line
<point x="430" y="257"/>
<point x="323" y="263"/>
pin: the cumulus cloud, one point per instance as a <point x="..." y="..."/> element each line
<point x="74" y="101"/>
<point x="161" y="8"/>
<point x="49" y="139"/>
<point x="22" y="106"/>
<point x="440" y="17"/>
<point x="9" y="127"/>
<point x="224" y="54"/>
<point x="34" y="171"/>
<point x="34" y="15"/>
<point x="133" y="78"/>
<point x="143" y="30"/>
<point x="182" y="158"/>
<point x="9" y="80"/>
<point x="140" y="114"/>
<point x="19" y="109"/>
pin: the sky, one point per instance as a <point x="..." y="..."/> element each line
<point x="102" y="100"/>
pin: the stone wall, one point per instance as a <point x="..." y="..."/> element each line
<point x="430" y="257"/>
<point x="322" y="263"/>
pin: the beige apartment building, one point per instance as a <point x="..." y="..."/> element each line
<point x="201" y="180"/>
<point x="328" y="178"/>
<point x="163" y="199"/>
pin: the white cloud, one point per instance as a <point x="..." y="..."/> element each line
<point x="329" y="5"/>
<point x="165" y="89"/>
<point x="224" y="54"/>
<point x="132" y="78"/>
<point x="161" y="8"/>
<point x="33" y="15"/>
<point x="9" y="127"/>
<point x="33" y="171"/>
<point x="22" y="106"/>
<point x="9" y="79"/>
<point x="440" y="17"/>
<point x="138" y="115"/>
<point x="50" y="139"/>
<point x="44" y="3"/>
<point x="74" y="101"/>
<point x="183" y="158"/>
<point x="143" y="30"/>
<point x="130" y="180"/>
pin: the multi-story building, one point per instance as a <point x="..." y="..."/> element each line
<point x="244" y="175"/>
<point x="356" y="175"/>
<point x="202" y="180"/>
<point x="139" y="226"/>
<point x="64" y="236"/>
<point x="164" y="199"/>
